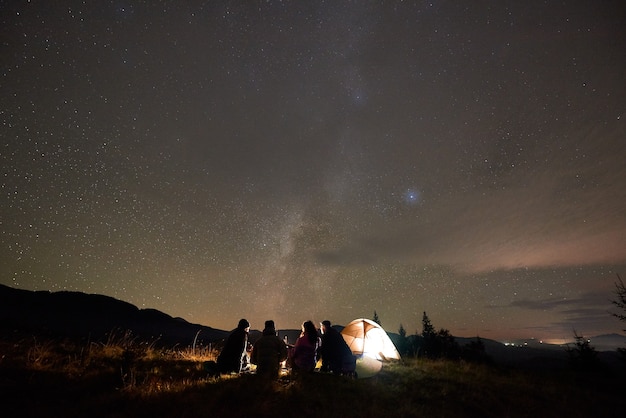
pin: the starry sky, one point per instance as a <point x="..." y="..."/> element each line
<point x="295" y="160"/>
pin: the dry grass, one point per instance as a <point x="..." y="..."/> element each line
<point x="127" y="378"/>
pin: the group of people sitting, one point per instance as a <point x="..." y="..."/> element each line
<point x="269" y="351"/>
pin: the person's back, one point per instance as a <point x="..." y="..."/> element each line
<point x="305" y="349"/>
<point x="230" y="359"/>
<point x="336" y="355"/>
<point x="268" y="352"/>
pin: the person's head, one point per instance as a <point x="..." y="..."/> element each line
<point x="244" y="324"/>
<point x="308" y="328"/>
<point x="325" y="326"/>
<point x="270" y="328"/>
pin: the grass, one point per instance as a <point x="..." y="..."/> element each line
<point x="126" y="378"/>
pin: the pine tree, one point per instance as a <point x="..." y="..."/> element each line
<point x="620" y="302"/>
<point x="376" y="318"/>
<point x="436" y="344"/>
<point x="402" y="343"/>
<point x="583" y="356"/>
<point x="402" y="331"/>
<point x="429" y="337"/>
<point x="427" y="328"/>
<point x="447" y="347"/>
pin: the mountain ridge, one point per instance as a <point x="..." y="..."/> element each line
<point x="97" y="317"/>
<point x="80" y="315"/>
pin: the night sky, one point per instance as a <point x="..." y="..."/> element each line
<point x="319" y="160"/>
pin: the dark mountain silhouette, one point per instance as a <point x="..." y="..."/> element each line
<point x="608" y="342"/>
<point x="97" y="317"/>
<point x="533" y="354"/>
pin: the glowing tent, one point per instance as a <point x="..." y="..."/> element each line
<point x="371" y="344"/>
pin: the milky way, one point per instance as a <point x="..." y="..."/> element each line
<point x="320" y="160"/>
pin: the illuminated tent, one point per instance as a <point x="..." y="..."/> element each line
<point x="371" y="344"/>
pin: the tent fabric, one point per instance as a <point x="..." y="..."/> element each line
<point x="366" y="338"/>
<point x="367" y="367"/>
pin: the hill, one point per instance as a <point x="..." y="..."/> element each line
<point x="95" y="317"/>
<point x="81" y="315"/>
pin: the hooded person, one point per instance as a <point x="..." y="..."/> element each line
<point x="268" y="352"/>
<point x="233" y="354"/>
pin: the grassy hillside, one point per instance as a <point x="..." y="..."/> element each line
<point x="124" y="378"/>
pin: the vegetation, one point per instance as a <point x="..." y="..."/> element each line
<point x="123" y="377"/>
<point x="582" y="354"/>
<point x="437" y="344"/>
<point x="376" y="318"/>
<point x="620" y="302"/>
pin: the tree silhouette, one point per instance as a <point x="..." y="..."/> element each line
<point x="475" y="352"/>
<point x="376" y="318"/>
<point x="583" y="356"/>
<point x="446" y="346"/>
<point x="441" y="344"/>
<point x="402" y="331"/>
<point x="620" y="302"/>
<point x="427" y="328"/>
<point x="402" y="344"/>
<point x="427" y="348"/>
<point x="437" y="344"/>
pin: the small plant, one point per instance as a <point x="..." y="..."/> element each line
<point x="198" y="353"/>
<point x="41" y="354"/>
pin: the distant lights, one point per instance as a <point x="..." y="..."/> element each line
<point x="524" y="344"/>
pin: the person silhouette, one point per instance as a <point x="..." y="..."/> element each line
<point x="232" y="356"/>
<point x="305" y="349"/>
<point x="268" y="352"/>
<point x="336" y="356"/>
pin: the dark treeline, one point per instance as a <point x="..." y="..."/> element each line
<point x="438" y="344"/>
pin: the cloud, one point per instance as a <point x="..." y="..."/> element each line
<point x="504" y="230"/>
<point x="541" y="305"/>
